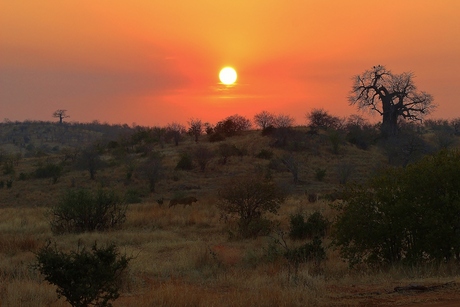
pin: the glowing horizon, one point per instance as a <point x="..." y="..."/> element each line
<point x="155" y="62"/>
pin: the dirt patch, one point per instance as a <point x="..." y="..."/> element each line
<point x="426" y="295"/>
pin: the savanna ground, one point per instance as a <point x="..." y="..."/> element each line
<point x="184" y="256"/>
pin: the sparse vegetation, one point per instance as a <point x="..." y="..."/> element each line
<point x="186" y="255"/>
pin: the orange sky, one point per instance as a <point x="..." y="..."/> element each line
<point x="153" y="62"/>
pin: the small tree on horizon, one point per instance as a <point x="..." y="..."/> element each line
<point x="264" y="119"/>
<point x="175" y="131"/>
<point x="195" y="128"/>
<point x="61" y="114"/>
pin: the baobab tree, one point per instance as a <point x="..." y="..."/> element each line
<point x="392" y="96"/>
<point x="61" y="114"/>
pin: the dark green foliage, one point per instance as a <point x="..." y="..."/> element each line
<point x="9" y="183"/>
<point x="335" y="138"/>
<point x="8" y="167"/>
<point x="216" y="137"/>
<point x="248" y="199"/>
<point x="152" y="170"/>
<point x="132" y="196"/>
<point x="405" y="148"/>
<point x="203" y="155"/>
<point x="265" y="154"/>
<point x="226" y="151"/>
<point x="2" y="184"/>
<point x="90" y="160"/>
<point x="276" y="164"/>
<point x="320" y="173"/>
<point x="232" y="125"/>
<point x="50" y="170"/>
<point x="310" y="251"/>
<point x="321" y="119"/>
<point x="80" y="211"/>
<point x="23" y="176"/>
<point x="362" y="136"/>
<point x="409" y="215"/>
<point x="315" y="226"/>
<point x="185" y="162"/>
<point x="83" y="277"/>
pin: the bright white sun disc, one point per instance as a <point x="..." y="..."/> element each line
<point x="227" y="75"/>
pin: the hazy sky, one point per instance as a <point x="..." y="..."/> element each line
<point x="153" y="62"/>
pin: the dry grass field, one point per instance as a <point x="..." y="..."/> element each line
<point x="183" y="256"/>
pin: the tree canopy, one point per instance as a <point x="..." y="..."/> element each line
<point x="393" y="96"/>
<point x="409" y="215"/>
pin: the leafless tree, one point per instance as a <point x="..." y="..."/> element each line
<point x="390" y="95"/>
<point x="61" y="114"/>
<point x="283" y="121"/>
<point x="196" y="128"/>
<point x="175" y="131"/>
<point x="264" y="119"/>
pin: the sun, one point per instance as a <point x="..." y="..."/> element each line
<point x="228" y="75"/>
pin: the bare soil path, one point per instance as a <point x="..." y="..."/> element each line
<point x="432" y="295"/>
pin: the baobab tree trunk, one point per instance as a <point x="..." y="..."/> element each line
<point x="389" y="118"/>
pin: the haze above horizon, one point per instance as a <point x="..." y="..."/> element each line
<point x="155" y="62"/>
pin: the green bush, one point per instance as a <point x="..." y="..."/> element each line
<point x="248" y="199"/>
<point x="320" y="173"/>
<point x="315" y="226"/>
<point x="8" y="167"/>
<point x="216" y="137"/>
<point x="265" y="154"/>
<point x="403" y="215"/>
<point x="83" y="277"/>
<point x="185" y="162"/>
<point x="133" y="196"/>
<point x="80" y="211"/>
<point x="23" y="176"/>
<point x="49" y="171"/>
<point x="310" y="251"/>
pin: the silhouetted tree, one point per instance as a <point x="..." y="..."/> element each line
<point x="90" y="160"/>
<point x="264" y="119"/>
<point x="283" y="121"/>
<point x="152" y="170"/>
<point x="391" y="95"/>
<point x="321" y="119"/>
<point x="196" y="128"/>
<point x="203" y="155"/>
<point x="232" y="125"/>
<point x="248" y="199"/>
<point x="61" y="114"/>
<point x="175" y="131"/>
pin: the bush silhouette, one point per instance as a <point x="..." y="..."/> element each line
<point x="248" y="199"/>
<point x="80" y="211"/>
<point x="83" y="277"/>
<point x="403" y="215"/>
<point x="315" y="226"/>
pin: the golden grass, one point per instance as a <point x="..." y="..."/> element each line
<point x="183" y="256"/>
